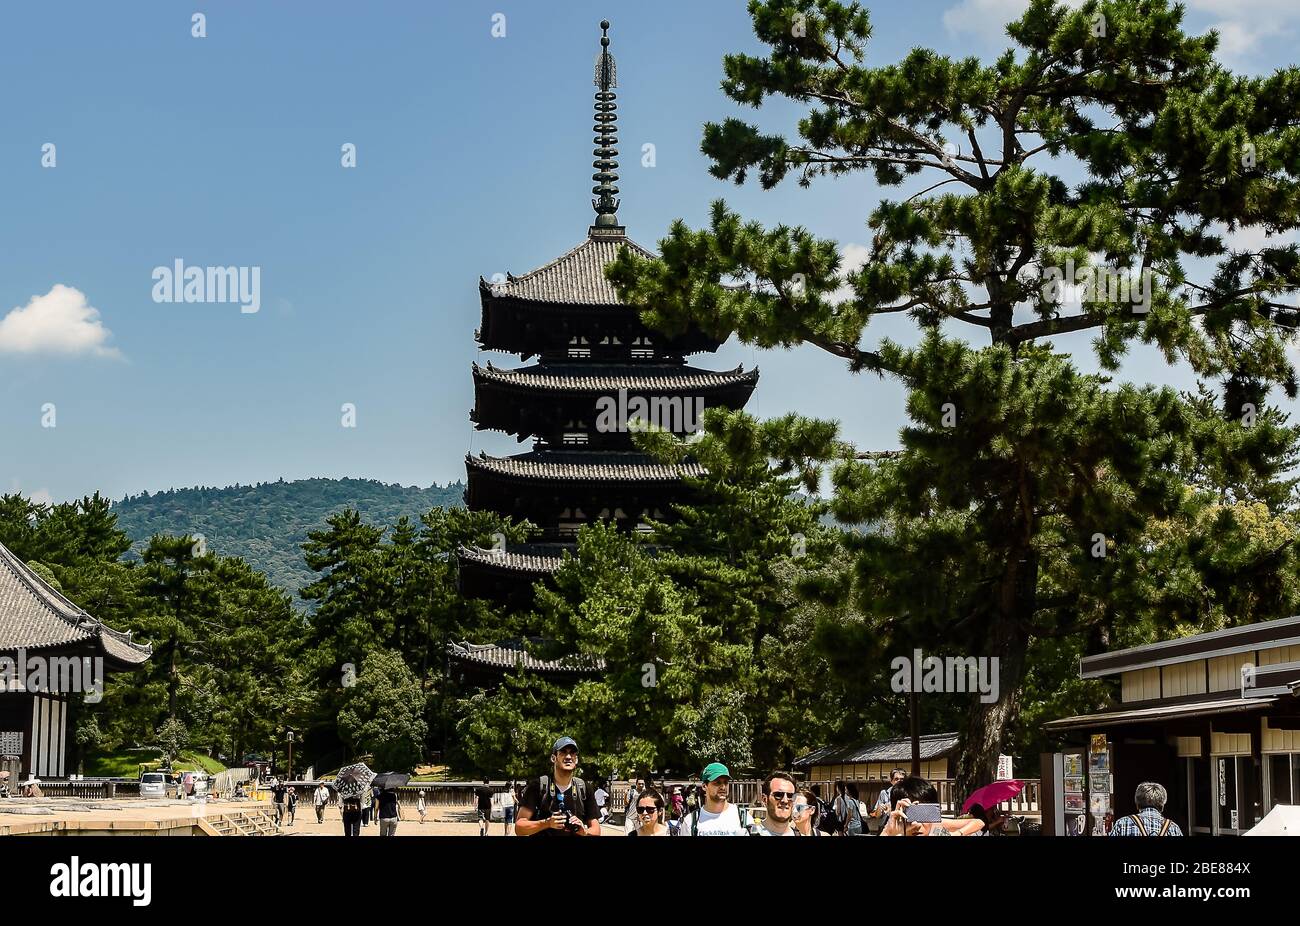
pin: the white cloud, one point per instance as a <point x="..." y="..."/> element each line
<point x="41" y="497"/>
<point x="1241" y="26"/>
<point x="1253" y="237"/>
<point x="987" y="19"/>
<point x="852" y="257"/>
<point x="60" y="322"/>
<point x="984" y="18"/>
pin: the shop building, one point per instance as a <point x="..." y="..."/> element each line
<point x="1213" y="717"/>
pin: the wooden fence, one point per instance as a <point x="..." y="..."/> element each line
<point x="460" y="796"/>
<point x="94" y="789"/>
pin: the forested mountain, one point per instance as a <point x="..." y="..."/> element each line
<point x="266" y="524"/>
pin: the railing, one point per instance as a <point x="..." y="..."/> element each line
<point x="950" y="799"/>
<point x="87" y="790"/>
<point x="1024" y="802"/>
<point x="459" y="795"/>
<point x="224" y="782"/>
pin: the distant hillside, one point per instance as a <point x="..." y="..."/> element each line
<point x="266" y="524"/>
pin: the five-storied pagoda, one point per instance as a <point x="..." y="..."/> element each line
<point x="594" y="355"/>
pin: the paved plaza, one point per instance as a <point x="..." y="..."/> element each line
<point x="158" y="817"/>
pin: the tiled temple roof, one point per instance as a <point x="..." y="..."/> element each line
<point x="523" y="559"/>
<point x="575" y="278"/>
<point x="35" y="616"/>
<point x="898" y="749"/>
<point x="586" y="377"/>
<point x="556" y="466"/>
<point x="513" y="656"/>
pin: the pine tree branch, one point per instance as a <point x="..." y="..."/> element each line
<point x="1053" y="326"/>
<point x="902" y="157"/>
<point x="979" y="154"/>
<point x="947" y="162"/>
<point x="858" y="359"/>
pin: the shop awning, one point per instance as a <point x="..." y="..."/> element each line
<point x="1165" y="712"/>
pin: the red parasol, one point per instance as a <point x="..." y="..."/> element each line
<point x="994" y="794"/>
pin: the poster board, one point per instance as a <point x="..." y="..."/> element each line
<point x="1074" y="802"/>
<point x="1100" y="785"/>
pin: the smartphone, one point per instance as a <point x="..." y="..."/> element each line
<point x="923" y="813"/>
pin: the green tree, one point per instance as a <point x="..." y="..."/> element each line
<point x="383" y="713"/>
<point x="397" y="594"/>
<point x="1022" y="503"/>
<point x="173" y="736"/>
<point x="178" y="583"/>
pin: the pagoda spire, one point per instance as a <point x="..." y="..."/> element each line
<point x="605" y="190"/>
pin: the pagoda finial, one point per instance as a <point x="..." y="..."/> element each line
<point x="605" y="190"/>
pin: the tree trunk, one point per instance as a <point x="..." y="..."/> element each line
<point x="986" y="724"/>
<point x="173" y="678"/>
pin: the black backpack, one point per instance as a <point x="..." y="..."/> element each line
<point x="546" y="799"/>
<point x="828" y="821"/>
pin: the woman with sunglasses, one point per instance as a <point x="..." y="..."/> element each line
<point x="649" y="809"/>
<point x="805" y="814"/>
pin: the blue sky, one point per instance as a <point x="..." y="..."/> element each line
<point x="473" y="157"/>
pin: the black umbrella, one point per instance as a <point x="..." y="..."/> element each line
<point x="390" y="780"/>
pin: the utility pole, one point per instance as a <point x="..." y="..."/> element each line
<point x="914" y="709"/>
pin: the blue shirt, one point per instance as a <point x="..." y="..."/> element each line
<point x="1151" y="820"/>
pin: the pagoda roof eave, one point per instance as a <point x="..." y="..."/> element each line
<point x="612" y="467"/>
<point x="575" y="278"/>
<point x="513" y="561"/>
<point x="36" y="616"/>
<point x="589" y="379"/>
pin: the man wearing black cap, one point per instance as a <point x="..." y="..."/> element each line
<point x="559" y="804"/>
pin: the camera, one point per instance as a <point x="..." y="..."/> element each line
<point x="923" y="813"/>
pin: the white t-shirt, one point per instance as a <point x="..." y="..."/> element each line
<point x="601" y="797"/>
<point x="508" y="797"/>
<point x="764" y="831"/>
<point x="726" y="823"/>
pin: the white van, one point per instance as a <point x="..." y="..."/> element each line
<point x="153" y="784"/>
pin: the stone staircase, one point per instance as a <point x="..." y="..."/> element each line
<point x="243" y="823"/>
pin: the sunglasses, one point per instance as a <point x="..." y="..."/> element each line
<point x="800" y="808"/>
<point x="783" y="795"/>
<point x="651" y="809"/>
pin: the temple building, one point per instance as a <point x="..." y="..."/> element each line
<point x="51" y="651"/>
<point x="482" y="665"/>
<point x="599" y="375"/>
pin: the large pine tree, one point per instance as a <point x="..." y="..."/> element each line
<point x="1029" y="499"/>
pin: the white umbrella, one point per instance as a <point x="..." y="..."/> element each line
<point x="1282" y="820"/>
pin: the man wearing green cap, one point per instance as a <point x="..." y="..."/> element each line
<point x="717" y="816"/>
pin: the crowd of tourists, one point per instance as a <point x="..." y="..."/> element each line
<point x="562" y="804"/>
